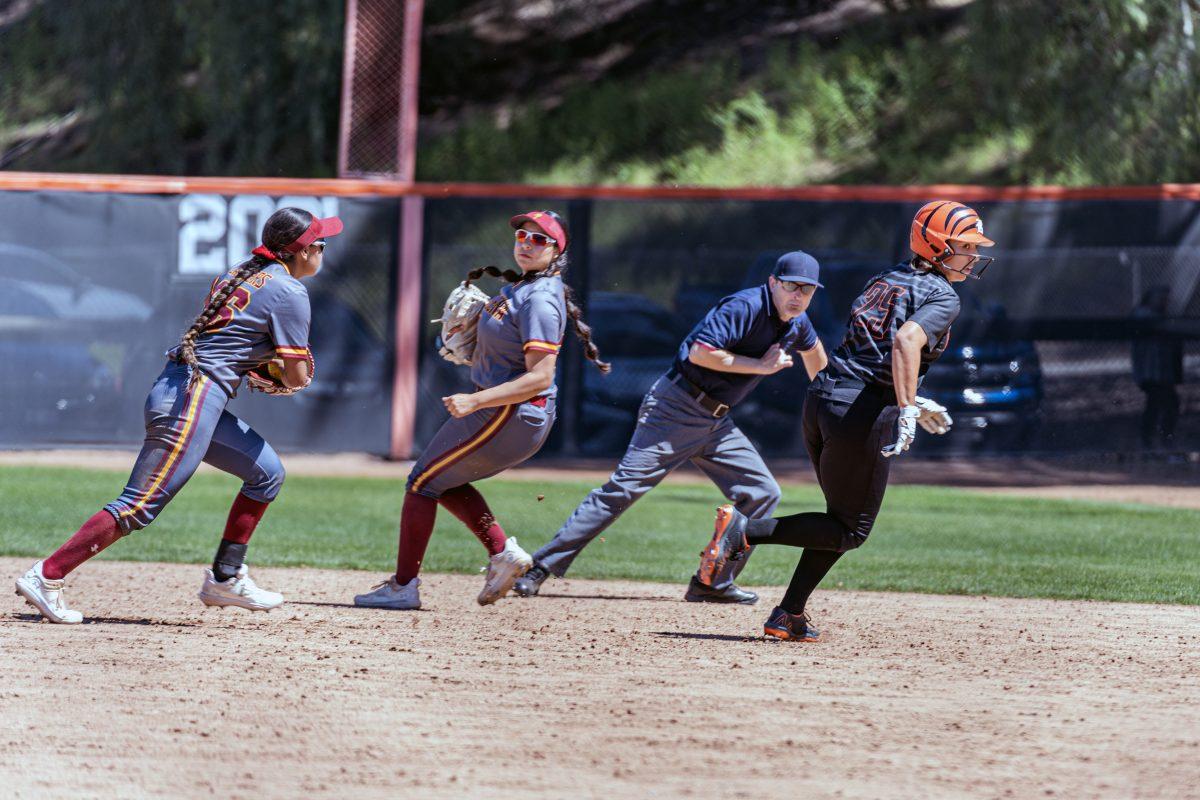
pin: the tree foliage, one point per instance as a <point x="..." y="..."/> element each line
<point x="205" y="87"/>
<point x="624" y="91"/>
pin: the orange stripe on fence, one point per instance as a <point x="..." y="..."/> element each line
<point x="154" y="184"/>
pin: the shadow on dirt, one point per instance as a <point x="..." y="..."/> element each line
<point x="718" y="637"/>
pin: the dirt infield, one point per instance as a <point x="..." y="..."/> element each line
<point x="600" y="689"/>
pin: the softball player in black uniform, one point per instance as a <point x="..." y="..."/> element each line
<point x="863" y="409"/>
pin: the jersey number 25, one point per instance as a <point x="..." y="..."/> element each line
<point x="874" y="314"/>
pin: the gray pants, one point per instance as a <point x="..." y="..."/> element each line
<point x="184" y="426"/>
<point x="481" y="445"/>
<point x="672" y="428"/>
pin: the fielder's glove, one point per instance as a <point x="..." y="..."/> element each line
<point x="267" y="378"/>
<point x="933" y="418"/>
<point x="460" y="319"/>
<point x="906" y="430"/>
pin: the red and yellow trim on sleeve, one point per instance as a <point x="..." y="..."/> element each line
<point x="473" y="443"/>
<point x="299" y="353"/>
<point x="541" y="346"/>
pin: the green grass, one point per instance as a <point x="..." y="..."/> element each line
<point x="928" y="539"/>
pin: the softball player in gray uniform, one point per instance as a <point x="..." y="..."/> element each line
<point x="503" y="423"/>
<point x="255" y="313"/>
<point x="684" y="416"/>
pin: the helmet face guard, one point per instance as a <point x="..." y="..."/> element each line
<point x="975" y="269"/>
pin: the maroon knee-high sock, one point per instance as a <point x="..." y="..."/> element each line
<point x="243" y="519"/>
<point x="416" y="526"/>
<point x="466" y="503"/>
<point x="97" y="533"/>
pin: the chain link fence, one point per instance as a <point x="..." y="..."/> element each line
<point x="1062" y="347"/>
<point x="378" y="123"/>
<point x="1041" y="358"/>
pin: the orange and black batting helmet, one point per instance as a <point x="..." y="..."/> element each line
<point x="941" y="222"/>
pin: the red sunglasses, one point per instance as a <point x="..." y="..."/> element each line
<point x="534" y="238"/>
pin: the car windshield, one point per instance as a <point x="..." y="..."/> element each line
<point x="630" y="326"/>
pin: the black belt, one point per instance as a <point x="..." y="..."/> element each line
<point x="710" y="404"/>
<point x="847" y="387"/>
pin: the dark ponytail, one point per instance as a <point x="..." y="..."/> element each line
<point x="281" y="229"/>
<point x="583" y="331"/>
<point x="558" y="266"/>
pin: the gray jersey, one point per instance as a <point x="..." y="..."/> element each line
<point x="524" y="317"/>
<point x="266" y="316"/>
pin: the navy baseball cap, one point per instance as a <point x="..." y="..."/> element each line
<point x="798" y="266"/>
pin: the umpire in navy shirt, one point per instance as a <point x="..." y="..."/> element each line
<point x="684" y="416"/>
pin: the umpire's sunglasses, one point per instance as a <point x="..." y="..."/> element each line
<point x="791" y="287"/>
<point x="535" y="238"/>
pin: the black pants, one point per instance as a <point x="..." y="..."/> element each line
<point x="844" y="439"/>
<point x="1160" y="415"/>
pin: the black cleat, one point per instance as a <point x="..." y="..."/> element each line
<point x="528" y="584"/>
<point x="792" y="627"/>
<point x="728" y="544"/>
<point x="697" y="592"/>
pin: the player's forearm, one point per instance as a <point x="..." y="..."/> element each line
<point x="518" y="390"/>
<point x="725" y="361"/>
<point x="295" y="373"/>
<point x="814" y="360"/>
<point x="906" y="365"/>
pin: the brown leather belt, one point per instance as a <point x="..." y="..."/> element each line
<point x="710" y="404"/>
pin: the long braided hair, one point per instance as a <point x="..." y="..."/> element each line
<point x="281" y="229"/>
<point x="558" y="266"/>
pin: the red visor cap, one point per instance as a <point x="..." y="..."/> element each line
<point x="317" y="229"/>
<point x="546" y="222"/>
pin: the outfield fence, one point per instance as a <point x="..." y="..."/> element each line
<point x="100" y="275"/>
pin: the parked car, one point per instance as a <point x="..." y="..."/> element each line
<point x="640" y="338"/>
<point x="60" y="348"/>
<point x="990" y="380"/>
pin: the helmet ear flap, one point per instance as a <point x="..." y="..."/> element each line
<point x="939" y="246"/>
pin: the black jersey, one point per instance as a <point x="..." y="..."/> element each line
<point x="890" y="299"/>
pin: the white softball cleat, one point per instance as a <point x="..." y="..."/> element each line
<point x="503" y="570"/>
<point x="392" y="594"/>
<point x="240" y="591"/>
<point x="46" y="596"/>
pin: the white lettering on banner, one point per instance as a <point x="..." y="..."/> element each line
<point x="215" y="232"/>
<point x="201" y="229"/>
<point x="247" y="213"/>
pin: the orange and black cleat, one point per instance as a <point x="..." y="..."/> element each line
<point x="792" y="627"/>
<point x="728" y="544"/>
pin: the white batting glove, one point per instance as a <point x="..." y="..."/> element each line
<point x="933" y="418"/>
<point x="906" y="430"/>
